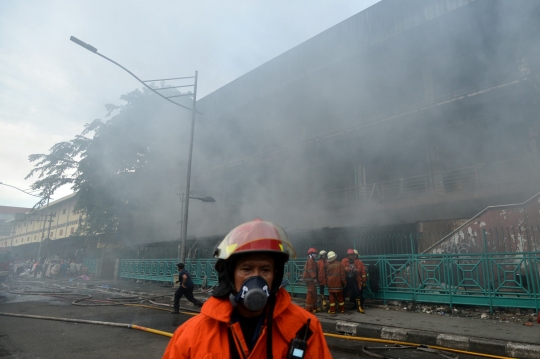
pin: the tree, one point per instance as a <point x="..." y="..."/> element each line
<point x="112" y="164"/>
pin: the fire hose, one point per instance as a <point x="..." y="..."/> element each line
<point x="113" y="301"/>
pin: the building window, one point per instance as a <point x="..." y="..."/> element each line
<point x="35" y="237"/>
<point x="72" y="230"/>
<point x="61" y="232"/>
<point x="51" y="234"/>
<point x="64" y="211"/>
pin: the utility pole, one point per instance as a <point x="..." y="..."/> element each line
<point x="181" y="195"/>
<point x="186" y="198"/>
<point x="43" y="231"/>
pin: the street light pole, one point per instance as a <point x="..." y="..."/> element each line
<point x="181" y="246"/>
<point x="43" y="231"/>
<point x="188" y="180"/>
<point x="193" y="110"/>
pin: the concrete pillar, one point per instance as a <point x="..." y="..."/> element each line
<point x="116" y="268"/>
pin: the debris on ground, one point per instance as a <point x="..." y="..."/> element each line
<point x="502" y="315"/>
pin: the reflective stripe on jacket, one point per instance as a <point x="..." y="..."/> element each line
<point x="335" y="276"/>
<point x="207" y="334"/>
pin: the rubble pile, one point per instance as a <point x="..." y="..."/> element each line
<point x="514" y="315"/>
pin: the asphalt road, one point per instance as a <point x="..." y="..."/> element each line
<point x="43" y="339"/>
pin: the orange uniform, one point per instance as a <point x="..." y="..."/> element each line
<point x="335" y="280"/>
<point x="310" y="277"/>
<point x="335" y="276"/>
<point x="359" y="274"/>
<point x="321" y="274"/>
<point x="207" y="334"/>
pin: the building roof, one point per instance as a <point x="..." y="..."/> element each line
<point x="13" y="210"/>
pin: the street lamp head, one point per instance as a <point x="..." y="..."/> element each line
<point x="208" y="199"/>
<point x="83" y="44"/>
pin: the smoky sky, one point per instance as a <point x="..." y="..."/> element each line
<point x="49" y="87"/>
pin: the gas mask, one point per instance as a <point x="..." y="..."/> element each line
<point x="253" y="294"/>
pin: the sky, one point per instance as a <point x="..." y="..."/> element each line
<point x="50" y="87"/>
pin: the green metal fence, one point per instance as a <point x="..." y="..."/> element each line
<point x="91" y="264"/>
<point x="484" y="279"/>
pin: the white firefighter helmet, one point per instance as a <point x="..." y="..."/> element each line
<point x="331" y="256"/>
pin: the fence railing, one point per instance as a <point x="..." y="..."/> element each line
<point x="509" y="279"/>
<point x="498" y="174"/>
<point x="91" y="264"/>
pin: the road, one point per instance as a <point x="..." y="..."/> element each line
<point x="23" y="338"/>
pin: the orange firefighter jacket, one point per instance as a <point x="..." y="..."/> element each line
<point x="335" y="276"/>
<point x="360" y="273"/>
<point x="321" y="274"/>
<point x="310" y="271"/>
<point x="207" y="334"/>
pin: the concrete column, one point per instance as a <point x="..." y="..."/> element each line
<point x="116" y="268"/>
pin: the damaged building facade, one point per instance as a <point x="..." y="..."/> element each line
<point x="406" y="114"/>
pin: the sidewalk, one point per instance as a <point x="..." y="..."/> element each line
<point x="478" y="335"/>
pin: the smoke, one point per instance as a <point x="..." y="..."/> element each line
<point x="405" y="112"/>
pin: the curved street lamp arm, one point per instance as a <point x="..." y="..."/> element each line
<point x="95" y="51"/>
<point x="142" y="82"/>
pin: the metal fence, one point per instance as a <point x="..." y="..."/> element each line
<point x="91" y="264"/>
<point x="485" y="279"/>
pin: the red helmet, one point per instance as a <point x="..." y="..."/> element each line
<point x="350" y="251"/>
<point x="255" y="236"/>
<point x="311" y="251"/>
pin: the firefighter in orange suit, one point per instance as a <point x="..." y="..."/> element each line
<point x="310" y="277"/>
<point x="356" y="277"/>
<point x="361" y="278"/>
<point x="335" y="280"/>
<point x="321" y="276"/>
<point x="249" y="316"/>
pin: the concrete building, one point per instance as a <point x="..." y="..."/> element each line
<point x="422" y="110"/>
<point x="7" y="215"/>
<point x="29" y="233"/>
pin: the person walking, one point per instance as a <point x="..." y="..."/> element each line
<point x="249" y="316"/>
<point x="321" y="277"/>
<point x="335" y="280"/>
<point x="185" y="289"/>
<point x="310" y="278"/>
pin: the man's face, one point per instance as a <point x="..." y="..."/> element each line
<point x="352" y="256"/>
<point x="251" y="265"/>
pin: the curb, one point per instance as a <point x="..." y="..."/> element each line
<point x="473" y="344"/>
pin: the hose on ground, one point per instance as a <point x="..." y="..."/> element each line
<point x="111" y="324"/>
<point x="168" y="334"/>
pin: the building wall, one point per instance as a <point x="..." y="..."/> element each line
<point x="64" y="224"/>
<point x="403" y="113"/>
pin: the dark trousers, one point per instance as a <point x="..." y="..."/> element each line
<point x="356" y="293"/>
<point x="188" y="292"/>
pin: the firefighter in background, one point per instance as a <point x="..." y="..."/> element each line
<point x="321" y="276"/>
<point x="356" y="278"/>
<point x="362" y="279"/>
<point x="335" y="281"/>
<point x="310" y="277"/>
